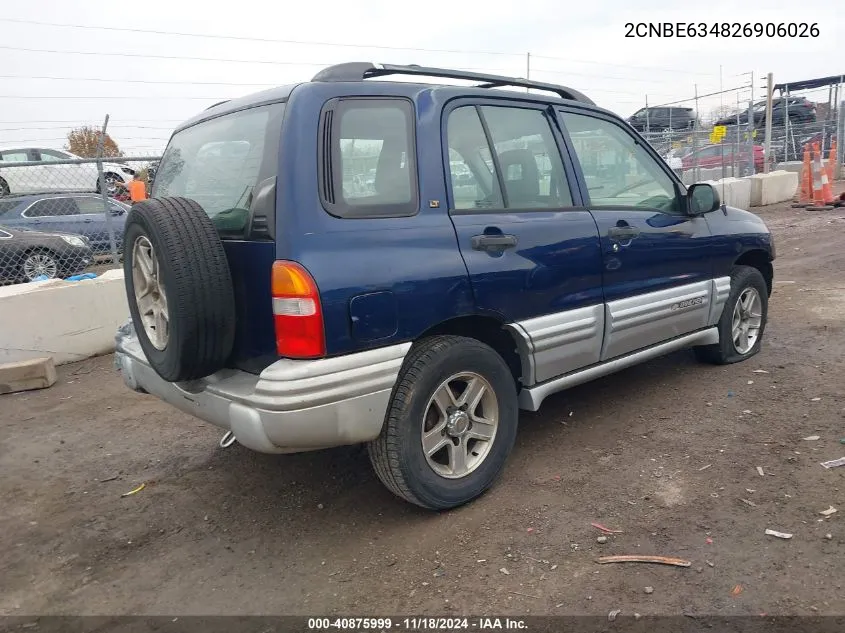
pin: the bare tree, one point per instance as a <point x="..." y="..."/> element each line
<point x="83" y="141"/>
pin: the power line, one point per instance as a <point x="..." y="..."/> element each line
<point x="585" y="61"/>
<point x="335" y="44"/>
<point x="260" y="39"/>
<point x="87" y="123"/>
<point x="92" y="125"/>
<point x="135" y="81"/>
<point x="147" y="56"/>
<point x="110" y="97"/>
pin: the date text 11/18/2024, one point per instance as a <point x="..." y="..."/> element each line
<point x="416" y="624"/>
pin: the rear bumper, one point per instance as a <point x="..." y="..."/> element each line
<point x="292" y="406"/>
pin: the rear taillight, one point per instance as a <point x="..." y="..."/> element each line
<point x="296" y="311"/>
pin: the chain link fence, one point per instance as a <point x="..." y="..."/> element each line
<point x="702" y="153"/>
<point x="62" y="216"/>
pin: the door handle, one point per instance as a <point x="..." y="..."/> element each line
<point x="88" y="220"/>
<point x="493" y="242"/>
<point x="623" y="233"/>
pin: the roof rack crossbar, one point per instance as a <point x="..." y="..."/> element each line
<point x="359" y="71"/>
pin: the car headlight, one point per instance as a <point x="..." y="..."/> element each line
<point x="73" y="241"/>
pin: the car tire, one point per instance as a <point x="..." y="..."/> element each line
<point x="40" y="261"/>
<point x="112" y="181"/>
<point x="438" y="374"/>
<point x="172" y="250"/>
<point x="748" y="288"/>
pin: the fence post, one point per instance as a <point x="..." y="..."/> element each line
<point x="104" y="191"/>
<point x="840" y="128"/>
<point x="767" y="148"/>
<point x="752" y="165"/>
<point x="695" y="172"/>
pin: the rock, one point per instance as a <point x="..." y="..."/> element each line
<point x="505" y="571"/>
<point x="601" y="540"/>
<point x="828" y="536"/>
<point x="649" y="590"/>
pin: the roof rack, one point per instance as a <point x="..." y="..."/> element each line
<point x="359" y="71"/>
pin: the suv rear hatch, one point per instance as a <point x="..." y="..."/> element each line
<point x="228" y="165"/>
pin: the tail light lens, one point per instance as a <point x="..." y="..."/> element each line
<point x="297" y="313"/>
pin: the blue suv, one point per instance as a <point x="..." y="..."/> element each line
<point x="407" y="265"/>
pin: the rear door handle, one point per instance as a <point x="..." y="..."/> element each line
<point x="623" y="233"/>
<point x="88" y="220"/>
<point x="493" y="242"/>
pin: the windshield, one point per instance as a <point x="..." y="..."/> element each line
<point x="217" y="163"/>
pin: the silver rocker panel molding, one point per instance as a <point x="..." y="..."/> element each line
<point x="530" y="398"/>
<point x="559" y="343"/>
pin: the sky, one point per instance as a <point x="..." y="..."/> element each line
<point x="64" y="64"/>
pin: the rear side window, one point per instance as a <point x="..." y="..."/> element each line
<point x="8" y="205"/>
<point x="368" y="158"/>
<point x="218" y="162"/>
<point x="52" y="207"/>
<point x="526" y="171"/>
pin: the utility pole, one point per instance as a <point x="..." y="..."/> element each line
<point x="767" y="151"/>
<point x="528" y="68"/>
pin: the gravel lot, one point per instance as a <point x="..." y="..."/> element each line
<point x="667" y="452"/>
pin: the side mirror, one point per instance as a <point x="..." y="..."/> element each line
<point x="703" y="198"/>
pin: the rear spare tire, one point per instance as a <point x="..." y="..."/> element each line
<point x="179" y="288"/>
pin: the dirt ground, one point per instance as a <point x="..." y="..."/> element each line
<point x="667" y="452"/>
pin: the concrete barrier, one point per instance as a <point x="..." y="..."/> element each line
<point x="68" y="320"/>
<point x="776" y="186"/>
<point x="705" y="174"/>
<point x="794" y="166"/>
<point x="734" y="192"/>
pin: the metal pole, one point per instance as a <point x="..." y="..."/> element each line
<point x="840" y="128"/>
<point x="104" y="192"/>
<point x="528" y="68"/>
<point x="647" y="126"/>
<point x="752" y="168"/>
<point x="735" y="162"/>
<point x="695" y="171"/>
<point x="767" y="148"/>
<point x="786" y="127"/>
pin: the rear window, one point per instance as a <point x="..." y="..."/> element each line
<point x="218" y="163"/>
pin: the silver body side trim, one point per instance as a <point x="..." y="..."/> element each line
<point x="647" y="319"/>
<point x="530" y="398"/>
<point x="721" y="292"/>
<point x="564" y="341"/>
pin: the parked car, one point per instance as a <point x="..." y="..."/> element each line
<point x="71" y="213"/>
<point x="801" y="110"/>
<point x="658" y="119"/>
<point x="50" y="176"/>
<point x="26" y="255"/>
<point x="727" y="154"/>
<point x="408" y="317"/>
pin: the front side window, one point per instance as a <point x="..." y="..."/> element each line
<point x="369" y="169"/>
<point x="618" y="170"/>
<point x="52" y="207"/>
<point x="218" y="162"/>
